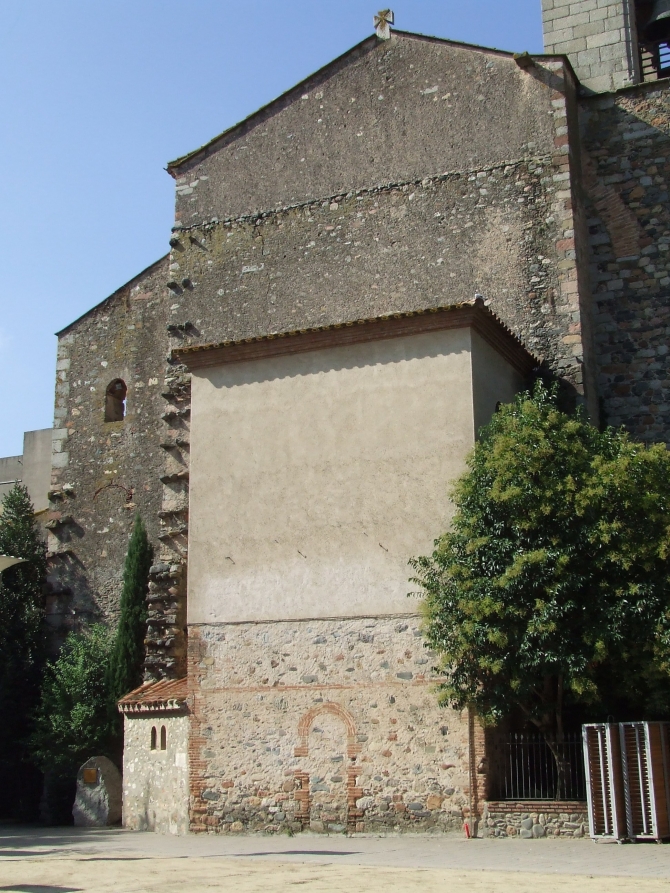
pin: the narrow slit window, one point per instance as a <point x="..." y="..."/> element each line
<point x="163" y="738"/>
<point x="115" y="401"/>
<point x="153" y="737"/>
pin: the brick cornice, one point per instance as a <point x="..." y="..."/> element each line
<point x="457" y="316"/>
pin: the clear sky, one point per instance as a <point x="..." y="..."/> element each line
<point x="96" y="96"/>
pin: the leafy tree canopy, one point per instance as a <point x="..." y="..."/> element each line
<point x="22" y="586"/>
<point x="552" y="585"/>
<point x="71" y="722"/>
<point x="22" y="645"/>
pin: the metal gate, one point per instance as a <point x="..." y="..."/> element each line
<point x="628" y="779"/>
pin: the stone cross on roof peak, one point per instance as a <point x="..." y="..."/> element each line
<point x="383" y="21"/>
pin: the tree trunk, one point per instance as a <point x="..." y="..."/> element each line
<point x="551" y="726"/>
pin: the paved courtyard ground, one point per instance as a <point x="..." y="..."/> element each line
<point x="115" y="861"/>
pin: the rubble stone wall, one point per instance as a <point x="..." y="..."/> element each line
<point x="322" y="725"/>
<point x="535" y="819"/>
<point x="389" y="111"/>
<point x="505" y="232"/>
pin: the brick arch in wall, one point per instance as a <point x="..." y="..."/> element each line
<point x="302" y="777"/>
<point x="308" y="719"/>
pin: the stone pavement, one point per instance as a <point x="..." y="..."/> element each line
<point x="68" y="860"/>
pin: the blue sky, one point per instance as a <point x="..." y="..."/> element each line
<point x="96" y="97"/>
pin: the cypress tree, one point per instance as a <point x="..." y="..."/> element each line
<point x="22" y="650"/>
<point x="127" y="657"/>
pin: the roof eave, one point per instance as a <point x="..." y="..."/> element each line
<point x="475" y="315"/>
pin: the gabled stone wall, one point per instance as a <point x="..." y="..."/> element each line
<point x="105" y="472"/>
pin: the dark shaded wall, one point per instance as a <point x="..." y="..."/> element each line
<point x="627" y="170"/>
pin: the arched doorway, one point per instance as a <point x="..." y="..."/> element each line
<point x="328" y="744"/>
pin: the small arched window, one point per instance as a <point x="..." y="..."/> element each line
<point x="163" y="738"/>
<point x="115" y="400"/>
<point x="153" y="737"/>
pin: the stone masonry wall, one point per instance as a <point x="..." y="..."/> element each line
<point x="155" y="782"/>
<point x="599" y="37"/>
<point x="506" y="232"/>
<point x="326" y="725"/>
<point x="105" y="472"/>
<point x="535" y="819"/>
<point x="387" y="111"/>
<point x="627" y="172"/>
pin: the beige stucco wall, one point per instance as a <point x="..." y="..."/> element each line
<point x="155" y="782"/>
<point x="316" y="476"/>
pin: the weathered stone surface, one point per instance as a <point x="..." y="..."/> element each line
<point x="553" y="819"/>
<point x="106" y="472"/>
<point x="320" y="754"/>
<point x="98" y="800"/>
<point x="389" y="111"/>
<point x="155" y="781"/>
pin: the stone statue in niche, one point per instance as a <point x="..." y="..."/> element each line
<point x="98" y="800"/>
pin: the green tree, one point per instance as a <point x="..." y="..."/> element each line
<point x="22" y="649"/>
<point x="71" y="722"/>
<point x="127" y="657"/>
<point x="551" y="588"/>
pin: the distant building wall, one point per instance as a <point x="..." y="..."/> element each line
<point x="11" y="471"/>
<point x="37" y="466"/>
<point x="32" y="468"/>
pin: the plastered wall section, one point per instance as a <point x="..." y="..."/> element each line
<point x="32" y="469"/>
<point x="627" y="175"/>
<point x="315" y="477"/>
<point x="155" y="782"/>
<point x="389" y="111"/>
<point x="327" y="725"/>
<point x="103" y="473"/>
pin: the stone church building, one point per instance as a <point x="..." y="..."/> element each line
<point x="358" y="273"/>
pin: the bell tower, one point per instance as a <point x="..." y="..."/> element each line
<point x="599" y="36"/>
